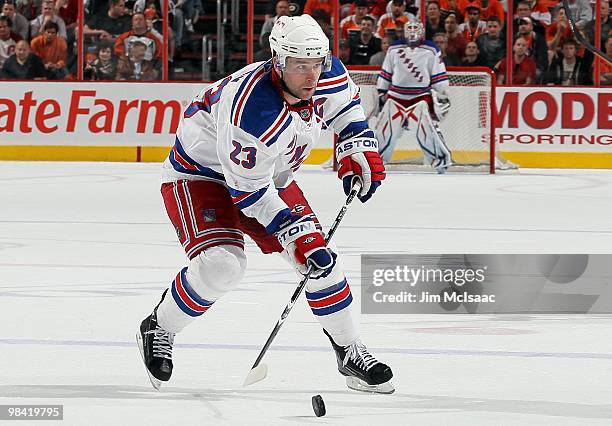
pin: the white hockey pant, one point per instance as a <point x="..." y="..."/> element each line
<point x="206" y="278"/>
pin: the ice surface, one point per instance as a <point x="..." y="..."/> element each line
<point x="86" y="249"/>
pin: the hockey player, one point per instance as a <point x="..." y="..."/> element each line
<point x="412" y="68"/>
<point x="231" y="172"/>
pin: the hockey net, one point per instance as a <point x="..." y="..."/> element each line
<point x="468" y="128"/>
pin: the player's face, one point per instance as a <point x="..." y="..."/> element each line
<point x="301" y="76"/>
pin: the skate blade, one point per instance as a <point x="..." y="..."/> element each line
<point x="256" y="374"/>
<point x="155" y="382"/>
<point x="361" y="386"/>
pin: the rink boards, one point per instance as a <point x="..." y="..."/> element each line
<point x="544" y="127"/>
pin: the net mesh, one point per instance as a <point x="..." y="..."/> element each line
<point x="466" y="128"/>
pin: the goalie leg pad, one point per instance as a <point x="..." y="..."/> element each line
<point x="429" y="137"/>
<point x="389" y="128"/>
<point x="209" y="275"/>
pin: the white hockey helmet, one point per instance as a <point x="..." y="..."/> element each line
<point x="299" y="37"/>
<point x="414" y="32"/>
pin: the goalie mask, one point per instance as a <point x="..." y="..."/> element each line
<point x="299" y="37"/>
<point x="414" y="32"/>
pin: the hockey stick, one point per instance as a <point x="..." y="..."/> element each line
<point x="579" y="37"/>
<point x="260" y="371"/>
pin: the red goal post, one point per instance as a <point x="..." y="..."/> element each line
<point x="469" y="128"/>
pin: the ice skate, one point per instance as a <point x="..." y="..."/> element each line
<point x="363" y="372"/>
<point x="155" y="346"/>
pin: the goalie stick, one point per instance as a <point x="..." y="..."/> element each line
<point x="579" y="37"/>
<point x="260" y="371"/>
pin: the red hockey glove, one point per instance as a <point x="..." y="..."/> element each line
<point x="368" y="167"/>
<point x="306" y="245"/>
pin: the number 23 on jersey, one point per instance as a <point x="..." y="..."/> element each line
<point x="247" y="160"/>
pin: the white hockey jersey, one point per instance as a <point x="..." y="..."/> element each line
<point x="408" y="72"/>
<point x="241" y="133"/>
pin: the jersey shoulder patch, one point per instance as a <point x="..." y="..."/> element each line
<point x="430" y="45"/>
<point x="334" y="80"/>
<point x="398" y="43"/>
<point x="258" y="108"/>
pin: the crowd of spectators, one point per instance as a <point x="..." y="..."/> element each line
<point x="469" y="33"/>
<point x="123" y="39"/>
<point x="34" y="38"/>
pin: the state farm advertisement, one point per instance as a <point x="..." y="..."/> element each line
<point x="554" y="119"/>
<point x="69" y="113"/>
<point x="547" y="119"/>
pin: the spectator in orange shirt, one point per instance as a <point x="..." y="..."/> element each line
<point x="378" y="8"/>
<point x="488" y="8"/>
<point x="389" y="22"/>
<point x="312" y="5"/>
<point x="139" y="32"/>
<point x="352" y="23"/>
<point x="53" y="50"/>
<point x="448" y="7"/>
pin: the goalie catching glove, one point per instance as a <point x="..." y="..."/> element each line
<point x="359" y="159"/>
<point x="305" y="245"/>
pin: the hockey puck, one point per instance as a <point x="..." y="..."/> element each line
<point x="318" y="405"/>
